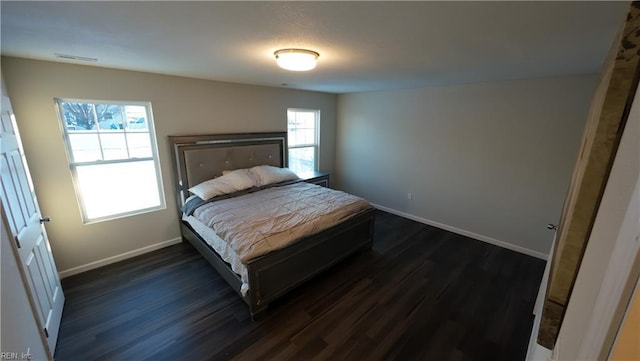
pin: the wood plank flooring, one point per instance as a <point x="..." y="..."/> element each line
<point x="421" y="294"/>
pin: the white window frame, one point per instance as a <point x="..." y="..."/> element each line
<point x="73" y="165"/>
<point x="316" y="144"/>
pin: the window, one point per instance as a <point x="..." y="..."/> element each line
<point x="113" y="157"/>
<point x="304" y="134"/>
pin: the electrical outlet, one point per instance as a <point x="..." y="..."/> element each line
<point x="409" y="196"/>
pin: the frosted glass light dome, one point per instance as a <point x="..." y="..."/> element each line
<point x="296" y="59"/>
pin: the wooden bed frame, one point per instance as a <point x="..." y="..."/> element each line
<point x="201" y="157"/>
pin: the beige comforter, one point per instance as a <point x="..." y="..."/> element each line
<point x="258" y="223"/>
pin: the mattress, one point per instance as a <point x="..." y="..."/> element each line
<point x="246" y="227"/>
<point x="222" y="248"/>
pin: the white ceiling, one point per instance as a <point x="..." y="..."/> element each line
<point x="363" y="46"/>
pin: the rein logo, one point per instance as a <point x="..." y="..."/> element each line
<point x="15" y="355"/>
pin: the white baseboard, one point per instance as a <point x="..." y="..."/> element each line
<point x="479" y="237"/>
<point x="120" y="257"/>
<point x="540" y="353"/>
<point x="153" y="247"/>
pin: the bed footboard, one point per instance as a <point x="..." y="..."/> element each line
<point x="223" y="268"/>
<point x="278" y="272"/>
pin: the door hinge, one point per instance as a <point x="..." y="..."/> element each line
<point x="17" y="241"/>
<point x="46" y="333"/>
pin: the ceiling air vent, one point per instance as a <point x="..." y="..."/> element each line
<point x="75" y="57"/>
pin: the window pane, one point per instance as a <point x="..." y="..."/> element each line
<point x="302" y="131"/>
<point x="306" y="119"/>
<point x="78" y="116"/>
<point x="309" y="136"/>
<point x="294" y="137"/>
<point x="291" y="118"/>
<point x="136" y="117"/>
<point x="301" y="136"/>
<point x="109" y="116"/>
<point x="113" y="146"/>
<point x="138" y="124"/>
<point x="100" y="133"/>
<point x="302" y="159"/>
<point x="118" y="188"/>
<point x="292" y="122"/>
<point x="139" y="145"/>
<point x="301" y="127"/>
<point x="85" y="147"/>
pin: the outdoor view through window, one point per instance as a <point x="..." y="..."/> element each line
<point x="112" y="155"/>
<point x="303" y="129"/>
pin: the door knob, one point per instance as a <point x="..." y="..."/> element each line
<point x="552" y="226"/>
<point x="45" y="219"/>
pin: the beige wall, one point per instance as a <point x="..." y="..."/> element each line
<point x="491" y="160"/>
<point x="180" y="106"/>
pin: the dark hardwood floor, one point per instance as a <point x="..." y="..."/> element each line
<point x="421" y="294"/>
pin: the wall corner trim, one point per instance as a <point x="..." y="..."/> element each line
<point x="463" y="232"/>
<point x="120" y="257"/>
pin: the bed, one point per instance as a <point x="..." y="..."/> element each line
<point x="198" y="158"/>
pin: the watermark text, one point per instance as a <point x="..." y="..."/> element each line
<point x="15" y="355"/>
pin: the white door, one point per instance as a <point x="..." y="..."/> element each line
<point x="25" y="226"/>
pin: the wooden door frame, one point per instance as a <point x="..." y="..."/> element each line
<point x="607" y="118"/>
<point x="621" y="275"/>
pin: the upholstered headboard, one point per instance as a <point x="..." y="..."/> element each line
<point x="201" y="157"/>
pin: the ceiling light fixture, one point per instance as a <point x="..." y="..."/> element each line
<point x="296" y="59"/>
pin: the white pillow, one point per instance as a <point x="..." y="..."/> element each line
<point x="233" y="181"/>
<point x="266" y="174"/>
<point x="253" y="177"/>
